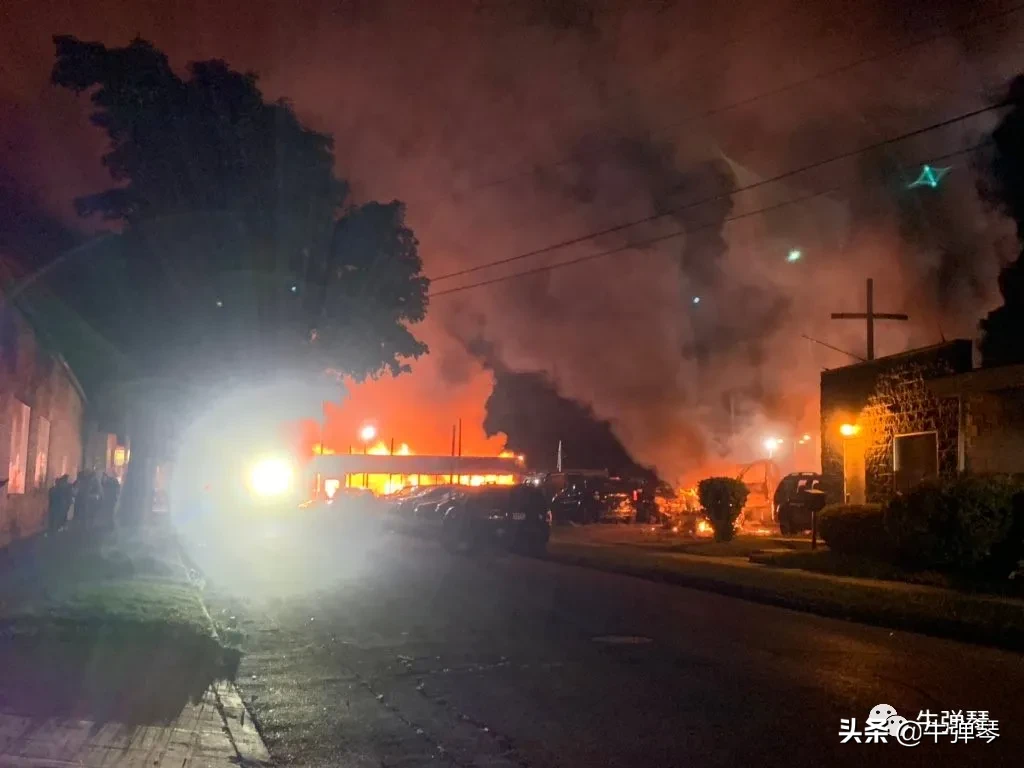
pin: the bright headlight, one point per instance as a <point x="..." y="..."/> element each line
<point x="270" y="477"/>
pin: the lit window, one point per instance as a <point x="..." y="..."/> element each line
<point x="42" y="452"/>
<point x="17" y="467"/>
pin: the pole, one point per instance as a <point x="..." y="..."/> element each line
<point x="870" y="316"/>
<point x="453" y="449"/>
<point x="460" y="436"/>
<point x="391" y="475"/>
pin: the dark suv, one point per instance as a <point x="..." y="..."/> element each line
<point x="595" y="500"/>
<point x="512" y="516"/>
<point x="797" y="497"/>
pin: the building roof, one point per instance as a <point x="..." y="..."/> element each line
<point x="372" y="464"/>
<point x="978" y="380"/>
<point x="909" y="354"/>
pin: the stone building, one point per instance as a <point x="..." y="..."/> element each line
<point x="991" y="404"/>
<point x="41" y="425"/>
<point x="883" y="429"/>
<point x="890" y="423"/>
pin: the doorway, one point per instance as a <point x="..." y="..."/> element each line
<point x="854" y="470"/>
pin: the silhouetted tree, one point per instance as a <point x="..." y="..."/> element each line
<point x="1003" y="186"/>
<point x="236" y="255"/>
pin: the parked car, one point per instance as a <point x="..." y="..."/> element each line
<point x="594" y="500"/>
<point x="797" y="498"/>
<point x="513" y="516"/>
<point x="426" y="508"/>
<point x="397" y="503"/>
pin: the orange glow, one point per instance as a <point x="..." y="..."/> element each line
<point x="416" y="409"/>
<point x="385" y="484"/>
<point x="506" y="454"/>
<point x="849" y="430"/>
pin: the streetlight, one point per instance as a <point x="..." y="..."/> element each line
<point x="771" y="443"/>
<point x="849" y="430"/>
<point x="795" y="254"/>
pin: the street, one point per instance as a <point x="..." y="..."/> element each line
<point x="386" y="650"/>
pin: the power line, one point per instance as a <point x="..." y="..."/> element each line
<point x="755" y="185"/>
<point x="754" y="98"/>
<point x="663" y="238"/>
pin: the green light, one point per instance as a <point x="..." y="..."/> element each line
<point x="794" y="255"/>
<point x="929" y="177"/>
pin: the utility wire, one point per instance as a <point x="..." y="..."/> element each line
<point x="671" y="236"/>
<point x="754" y="98"/>
<point x="723" y="195"/>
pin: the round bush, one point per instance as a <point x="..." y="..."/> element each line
<point x="722" y="499"/>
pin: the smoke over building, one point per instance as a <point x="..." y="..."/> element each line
<point x="508" y="126"/>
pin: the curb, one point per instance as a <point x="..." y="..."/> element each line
<point x="238" y="720"/>
<point x="1002" y="637"/>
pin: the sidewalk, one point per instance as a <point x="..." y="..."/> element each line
<point x="199" y="736"/>
<point x="640" y="551"/>
<point x="110" y="659"/>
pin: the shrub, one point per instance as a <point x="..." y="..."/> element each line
<point x="966" y="524"/>
<point x="854" y="529"/>
<point x="722" y="499"/>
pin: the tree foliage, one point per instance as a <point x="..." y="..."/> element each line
<point x="722" y="499"/>
<point x="1002" y="184"/>
<point x="237" y="250"/>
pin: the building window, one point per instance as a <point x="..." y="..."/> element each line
<point x="18" y="466"/>
<point x="42" y="452"/>
<point x="915" y="458"/>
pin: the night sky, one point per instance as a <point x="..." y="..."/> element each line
<point x="506" y="126"/>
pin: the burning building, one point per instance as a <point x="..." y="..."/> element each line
<point x="384" y="472"/>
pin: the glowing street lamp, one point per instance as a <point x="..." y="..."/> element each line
<point x="849" y="430"/>
<point x="772" y="443"/>
<point x="367" y="433"/>
<point x="795" y="254"/>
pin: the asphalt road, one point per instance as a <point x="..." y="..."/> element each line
<point x="366" y="650"/>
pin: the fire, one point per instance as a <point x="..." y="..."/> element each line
<point x="383" y="485"/>
<point x="415" y="409"/>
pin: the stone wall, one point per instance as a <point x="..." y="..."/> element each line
<point x="885" y="398"/>
<point x="900" y="405"/>
<point x="31" y="375"/>
<point x="994" y="431"/>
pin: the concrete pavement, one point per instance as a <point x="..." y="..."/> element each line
<point x="375" y="652"/>
<point x="209" y="733"/>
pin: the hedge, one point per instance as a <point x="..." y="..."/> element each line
<point x="854" y="529"/>
<point x="972" y="525"/>
<point x="967" y="524"/>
